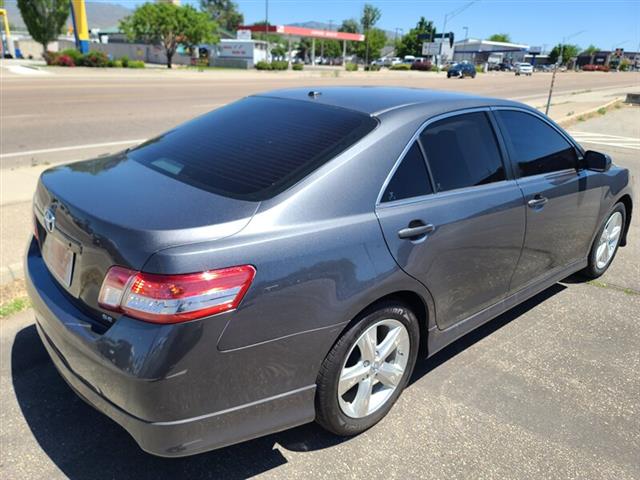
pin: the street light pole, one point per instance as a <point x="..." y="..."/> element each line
<point x="448" y="16"/>
<point x="555" y="69"/>
<point x="466" y="32"/>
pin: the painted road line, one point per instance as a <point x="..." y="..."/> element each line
<point x="608" y="144"/>
<point x="74" y="147"/>
<point x="603" y="136"/>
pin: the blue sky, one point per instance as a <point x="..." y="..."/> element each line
<point x="537" y="23"/>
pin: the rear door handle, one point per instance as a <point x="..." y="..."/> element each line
<point x="417" y="231"/>
<point x="537" y="201"/>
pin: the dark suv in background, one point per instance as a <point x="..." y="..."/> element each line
<point x="461" y="70"/>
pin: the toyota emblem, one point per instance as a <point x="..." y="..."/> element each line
<point x="49" y="220"/>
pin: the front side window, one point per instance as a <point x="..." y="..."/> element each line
<point x="462" y="151"/>
<point x="535" y="146"/>
<point x="410" y="179"/>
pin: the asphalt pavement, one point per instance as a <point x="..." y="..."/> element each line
<point x="551" y="389"/>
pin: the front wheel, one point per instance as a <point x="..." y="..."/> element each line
<point x="605" y="246"/>
<point x="367" y="369"/>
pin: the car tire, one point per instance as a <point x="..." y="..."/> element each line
<point x="340" y="406"/>
<point x="606" y="243"/>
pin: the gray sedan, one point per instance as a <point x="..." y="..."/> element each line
<point x="288" y="257"/>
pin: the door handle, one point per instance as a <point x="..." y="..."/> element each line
<point x="537" y="201"/>
<point x="416" y="231"/>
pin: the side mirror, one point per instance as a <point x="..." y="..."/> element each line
<point x="599" y="162"/>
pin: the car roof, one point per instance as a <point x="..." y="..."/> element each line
<point x="378" y="100"/>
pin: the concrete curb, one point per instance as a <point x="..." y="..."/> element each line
<point x="572" y="118"/>
<point x="11" y="273"/>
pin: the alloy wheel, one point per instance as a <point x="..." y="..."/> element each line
<point x="609" y="240"/>
<point x="373" y="368"/>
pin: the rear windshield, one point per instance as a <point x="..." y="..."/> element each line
<point x="255" y="148"/>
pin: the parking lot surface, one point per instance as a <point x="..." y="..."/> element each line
<point x="550" y="389"/>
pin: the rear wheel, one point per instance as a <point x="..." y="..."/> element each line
<point x="605" y="246"/>
<point x="367" y="369"/>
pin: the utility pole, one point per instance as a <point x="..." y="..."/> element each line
<point x="466" y="32"/>
<point x="266" y="27"/>
<point x="555" y="69"/>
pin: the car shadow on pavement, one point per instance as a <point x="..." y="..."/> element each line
<point x="84" y="443"/>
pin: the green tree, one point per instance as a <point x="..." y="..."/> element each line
<point x="569" y="51"/>
<point x="370" y="16"/>
<point x="376" y="40"/>
<point x="169" y="25"/>
<point x="350" y="26"/>
<point x="591" y="50"/>
<point x="500" y="37"/>
<point x="224" y="12"/>
<point x="411" y="43"/>
<point x="44" y="19"/>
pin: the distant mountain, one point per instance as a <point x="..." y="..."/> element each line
<point x="335" y="26"/>
<point x="99" y="15"/>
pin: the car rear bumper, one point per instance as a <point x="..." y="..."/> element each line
<point x="152" y="390"/>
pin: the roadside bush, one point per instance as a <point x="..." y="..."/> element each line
<point x="372" y="68"/>
<point x="135" y="64"/>
<point x="279" y="65"/>
<point x="351" y="67"/>
<point x="297" y="66"/>
<point x="74" y="54"/>
<point x="400" y="66"/>
<point x="95" y="59"/>
<point x="50" y="57"/>
<point x="262" y="65"/>
<point x="479" y="69"/>
<point x="125" y="61"/>
<point x="64" y="61"/>
<point x="421" y="66"/>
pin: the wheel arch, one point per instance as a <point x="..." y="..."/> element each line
<point x="414" y="301"/>
<point x="628" y="206"/>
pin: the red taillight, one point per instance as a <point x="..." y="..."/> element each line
<point x="174" y="298"/>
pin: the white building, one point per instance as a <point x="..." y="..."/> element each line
<point x="486" y="51"/>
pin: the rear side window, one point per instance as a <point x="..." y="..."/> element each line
<point x="462" y="152"/>
<point x="255" y="148"/>
<point x="410" y="179"/>
<point x="535" y="146"/>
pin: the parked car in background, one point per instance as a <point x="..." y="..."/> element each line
<point x="409" y="59"/>
<point x="421" y="63"/>
<point x="248" y="272"/>
<point x="394" y="61"/>
<point x="595" y="68"/>
<point x="501" y="67"/>
<point x="523" y="68"/>
<point x="461" y="70"/>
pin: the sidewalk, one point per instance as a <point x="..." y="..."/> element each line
<point x="17" y="185"/>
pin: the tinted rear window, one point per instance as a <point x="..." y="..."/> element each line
<point x="255" y="148"/>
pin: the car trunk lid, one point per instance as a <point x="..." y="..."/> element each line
<point x="116" y="211"/>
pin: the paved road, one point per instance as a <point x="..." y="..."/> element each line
<point x="549" y="390"/>
<point x="79" y="108"/>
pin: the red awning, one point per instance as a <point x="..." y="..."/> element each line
<point x="304" y="32"/>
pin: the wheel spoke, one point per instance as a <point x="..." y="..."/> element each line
<point x="389" y="344"/>
<point x="602" y="254"/>
<point x="351" y="376"/>
<point x="389" y="374"/>
<point x="367" y="345"/>
<point x="615" y="233"/>
<point x="363" y="397"/>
